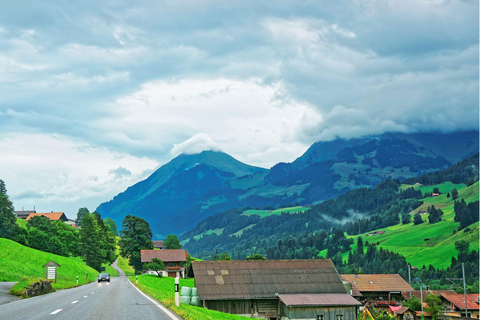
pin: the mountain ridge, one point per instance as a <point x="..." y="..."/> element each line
<point x="192" y="187"/>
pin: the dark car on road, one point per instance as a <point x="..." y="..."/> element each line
<point x="103" y="277"/>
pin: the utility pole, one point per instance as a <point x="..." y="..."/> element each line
<point x="410" y="279"/>
<point x="464" y="290"/>
<point x="464" y="287"/>
<point x="421" y="297"/>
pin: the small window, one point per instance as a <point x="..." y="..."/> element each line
<point x="339" y="316"/>
<point x="320" y="317"/>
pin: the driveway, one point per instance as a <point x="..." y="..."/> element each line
<point x="5" y="296"/>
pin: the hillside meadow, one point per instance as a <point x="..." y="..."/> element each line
<point x="20" y="263"/>
<point x="426" y="243"/>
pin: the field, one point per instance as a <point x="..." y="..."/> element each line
<point x="20" y="263"/>
<point x="266" y="213"/>
<point x="162" y="289"/>
<point x="426" y="243"/>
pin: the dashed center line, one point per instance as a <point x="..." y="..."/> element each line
<point x="85" y="296"/>
<point x="56" y="311"/>
<point x="73" y="302"/>
<point x="92" y="292"/>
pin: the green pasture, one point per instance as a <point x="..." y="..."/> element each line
<point x="162" y="289"/>
<point x="426" y="243"/>
<point x="20" y="263"/>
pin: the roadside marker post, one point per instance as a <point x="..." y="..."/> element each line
<point x="77" y="279"/>
<point x="137" y="279"/>
<point x="177" y="296"/>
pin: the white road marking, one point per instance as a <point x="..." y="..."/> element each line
<point x="165" y="310"/>
<point x="73" y="302"/>
<point x="92" y="292"/>
<point x="56" y="311"/>
<point x="85" y="296"/>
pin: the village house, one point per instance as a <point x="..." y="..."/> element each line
<point x="158" y="245"/>
<point x="380" y="290"/>
<point x="404" y="313"/>
<point x="454" y="305"/>
<point x="174" y="260"/>
<point x="275" y="289"/>
<point x="53" y="216"/>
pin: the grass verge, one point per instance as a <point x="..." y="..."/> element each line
<point x="162" y="289"/>
<point x="123" y="264"/>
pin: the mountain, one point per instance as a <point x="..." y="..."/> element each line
<point x="180" y="193"/>
<point x="192" y="187"/>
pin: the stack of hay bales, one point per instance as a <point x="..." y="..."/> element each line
<point x="189" y="296"/>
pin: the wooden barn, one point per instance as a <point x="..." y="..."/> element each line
<point x="275" y="289"/>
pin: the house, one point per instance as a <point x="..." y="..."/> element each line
<point x="381" y="290"/>
<point x="158" y="245"/>
<point x="54" y="216"/>
<point x="275" y="289"/>
<point x="375" y="233"/>
<point x="174" y="260"/>
<point x="24" y="213"/>
<point x="422" y="212"/>
<point x="454" y="304"/>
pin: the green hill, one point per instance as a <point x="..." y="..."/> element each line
<point x="426" y="243"/>
<point x="20" y="263"/>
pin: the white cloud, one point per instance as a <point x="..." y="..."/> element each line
<point x="196" y="144"/>
<point x="53" y="172"/>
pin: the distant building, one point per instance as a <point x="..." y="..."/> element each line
<point x="158" y="245"/>
<point x="54" y="216"/>
<point x="174" y="260"/>
<point x="275" y="289"/>
<point x="24" y="214"/>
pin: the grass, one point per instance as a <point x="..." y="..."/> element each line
<point x="22" y="223"/>
<point x="110" y="270"/>
<point x="443" y="187"/>
<point x="266" y="213"/>
<point x="123" y="264"/>
<point x="20" y="263"/>
<point x="162" y="289"/>
<point x="426" y="243"/>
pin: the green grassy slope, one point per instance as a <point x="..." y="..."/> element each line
<point x="18" y="262"/>
<point x="426" y="243"/>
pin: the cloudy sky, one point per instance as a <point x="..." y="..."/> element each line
<point x="94" y="95"/>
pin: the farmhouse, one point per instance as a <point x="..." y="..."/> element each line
<point x="383" y="290"/>
<point x="274" y="289"/>
<point x="58" y="216"/>
<point x="24" y="214"/>
<point x="454" y="305"/>
<point x="174" y="260"/>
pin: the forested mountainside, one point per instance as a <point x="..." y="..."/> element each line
<point x="191" y="188"/>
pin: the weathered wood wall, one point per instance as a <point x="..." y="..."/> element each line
<point x="230" y="306"/>
<point x="311" y="313"/>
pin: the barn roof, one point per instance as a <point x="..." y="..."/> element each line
<point x="223" y="280"/>
<point x="377" y="282"/>
<point x="170" y="255"/>
<point x="312" y="299"/>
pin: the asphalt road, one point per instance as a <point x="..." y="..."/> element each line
<point x="5" y="295"/>
<point x="115" y="300"/>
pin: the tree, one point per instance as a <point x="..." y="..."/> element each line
<point x="413" y="303"/>
<point x="434" y="304"/>
<point x="112" y="226"/>
<point x="360" y="245"/>
<point x="462" y="246"/>
<point x="82" y="212"/>
<point x="156" y="265"/>
<point x="436" y="190"/>
<point x="90" y="242"/>
<point x="417" y="219"/>
<point x="255" y="256"/>
<point x="225" y="256"/>
<point x="8" y="222"/>
<point x="172" y="242"/>
<point x="135" y="236"/>
<point x="454" y="194"/>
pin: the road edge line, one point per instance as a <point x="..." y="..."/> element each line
<point x="167" y="311"/>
